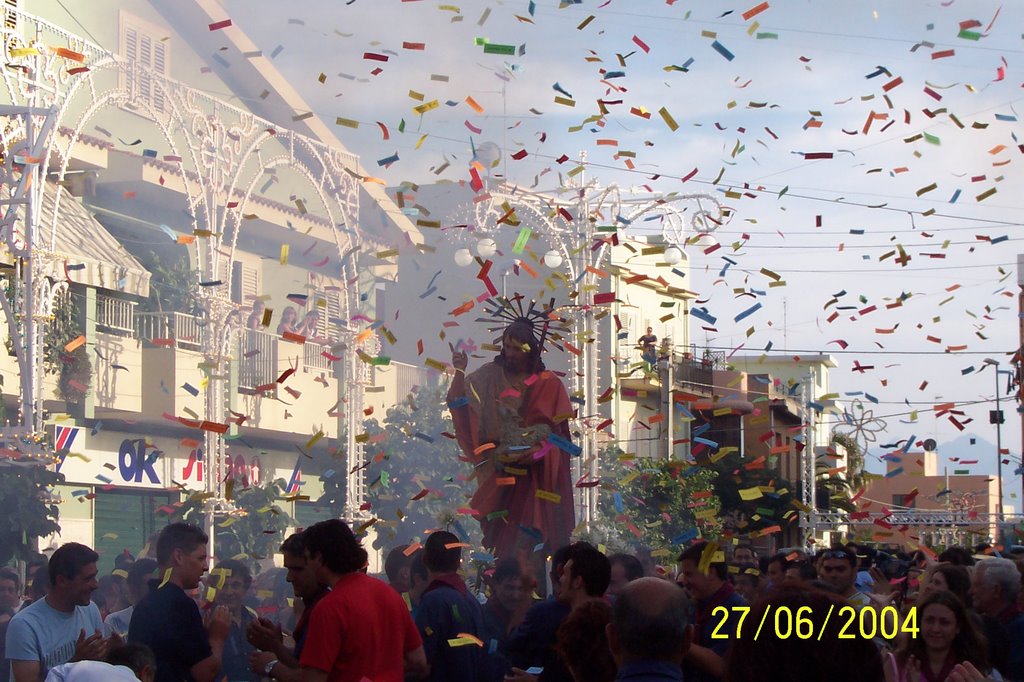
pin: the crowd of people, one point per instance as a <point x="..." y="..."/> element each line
<point x="721" y="613"/>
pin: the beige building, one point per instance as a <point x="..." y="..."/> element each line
<point x="914" y="484"/>
<point x="222" y="254"/>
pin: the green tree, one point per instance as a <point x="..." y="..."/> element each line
<point x="654" y="503"/>
<point x="254" y="529"/>
<point x="29" y="510"/>
<point x="415" y="478"/>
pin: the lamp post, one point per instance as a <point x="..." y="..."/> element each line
<point x="996" y="417"/>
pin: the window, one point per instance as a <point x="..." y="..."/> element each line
<point x="143" y="44"/>
<point x="905" y="501"/>
<point x="245" y="283"/>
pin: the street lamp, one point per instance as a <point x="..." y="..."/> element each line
<point x="996" y="417"/>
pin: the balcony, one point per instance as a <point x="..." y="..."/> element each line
<point x="169" y="330"/>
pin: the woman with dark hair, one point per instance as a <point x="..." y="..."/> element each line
<point x="948" y="638"/>
<point x="947" y="577"/>
<point x="511" y="418"/>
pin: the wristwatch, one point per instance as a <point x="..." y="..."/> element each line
<point x="269" y="667"/>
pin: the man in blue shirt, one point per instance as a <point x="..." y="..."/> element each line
<point x="703" y="574"/>
<point x="168" y="621"/>
<point x="64" y="625"/>
<point x="448" y="613"/>
<point x="650" y="631"/>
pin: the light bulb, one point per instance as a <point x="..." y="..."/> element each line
<point x="552" y="259"/>
<point x="487" y="247"/>
<point x="673" y="255"/>
<point x="463" y="257"/>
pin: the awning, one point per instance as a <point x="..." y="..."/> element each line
<point x="93" y="257"/>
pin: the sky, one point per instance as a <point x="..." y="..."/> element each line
<point x="868" y="154"/>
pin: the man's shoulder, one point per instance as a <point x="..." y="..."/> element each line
<point x="735" y="599"/>
<point x="547" y="609"/>
<point x="32" y="615"/>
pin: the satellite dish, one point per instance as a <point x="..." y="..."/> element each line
<point x="930" y="445"/>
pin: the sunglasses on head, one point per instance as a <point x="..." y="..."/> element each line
<point x="835" y="554"/>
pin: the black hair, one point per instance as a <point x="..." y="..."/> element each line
<point x="395" y="561"/>
<point x="337" y="546"/>
<point x="294" y="544"/>
<point x="634" y="569"/>
<point x="132" y="655"/>
<point x="140" y="571"/>
<point x="695" y="552"/>
<point x="8" y="574"/>
<point x="507" y="568"/>
<point x="437" y="557"/>
<point x="847" y="554"/>
<point x="416" y="566"/>
<point x="236" y="569"/>
<point x="958" y="556"/>
<point x="591" y="565"/>
<point x="69" y="560"/>
<point x="175" y="536"/>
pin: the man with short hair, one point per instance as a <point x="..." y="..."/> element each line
<point x="625" y="569"/>
<point x="579" y="572"/>
<point x="448" y="612"/>
<point x="837" y="567"/>
<point x="64" y="625"/>
<point x="168" y="621"/>
<point x="139" y="575"/>
<point x="231" y="580"/>
<point x="994" y="589"/>
<point x="744" y="554"/>
<point x="266" y="635"/>
<point x="703" y="574"/>
<point x="362" y="628"/>
<point x="650" y="631"/>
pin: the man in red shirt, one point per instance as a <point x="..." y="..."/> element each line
<point x="362" y="628"/>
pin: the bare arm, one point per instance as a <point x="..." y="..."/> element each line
<point x="217" y="628"/>
<point x="458" y="386"/>
<point x="25" y="671"/>
<point x="416" y="666"/>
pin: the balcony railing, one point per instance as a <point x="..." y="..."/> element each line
<point x="257" y="364"/>
<point x="174" y="330"/>
<point x="115" y="315"/>
<point x="313" y="357"/>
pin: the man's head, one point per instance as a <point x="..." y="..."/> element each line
<point x="442" y="553"/>
<point x="744" y="554"/>
<point x="419" y="577"/>
<point x="181" y="548"/>
<point x="994" y="585"/>
<point x="775" y="569"/>
<point x="586" y="574"/>
<point x="838" y="568"/>
<point x="702" y="584"/>
<point x="333" y="549"/>
<point x="650" y="622"/>
<point x="73" y="573"/>
<point x="507" y="582"/>
<point x="10" y="590"/>
<point x="520" y="349"/>
<point x="139" y="575"/>
<point x="300" y="573"/>
<point x="748" y="583"/>
<point x="625" y="569"/>
<point x="231" y="579"/>
<point x="396" y="568"/>
<point x="650" y="330"/>
<point x="557" y="566"/>
<point x="138" y="657"/>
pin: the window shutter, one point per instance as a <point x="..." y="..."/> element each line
<point x="160" y="66"/>
<point x="245" y="283"/>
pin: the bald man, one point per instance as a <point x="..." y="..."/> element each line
<point x="650" y="631"/>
